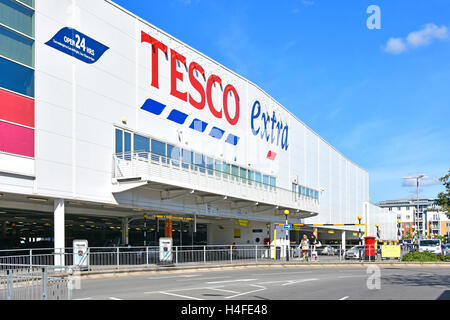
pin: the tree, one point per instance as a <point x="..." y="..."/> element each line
<point x="443" y="199"/>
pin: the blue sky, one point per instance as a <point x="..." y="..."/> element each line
<point x="381" y="97"/>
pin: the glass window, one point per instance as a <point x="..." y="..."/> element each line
<point x="174" y="154"/>
<point x="16" y="77"/>
<point x="265" y="180"/>
<point x="200" y="162"/>
<point x="251" y="176"/>
<point x="210" y="165"/>
<point x="258" y="178"/>
<point x="127" y="145"/>
<point x="234" y="171"/>
<point x="119" y="142"/>
<point x="218" y="167"/>
<point x="243" y="174"/>
<point x="187" y="158"/>
<point x="158" y="149"/>
<point x="141" y="145"/>
<point x="17" y="16"/>
<point x="16" y="47"/>
<point x="226" y="169"/>
<point x="273" y="183"/>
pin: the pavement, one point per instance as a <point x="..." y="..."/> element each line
<point x="288" y="281"/>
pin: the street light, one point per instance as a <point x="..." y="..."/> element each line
<point x="286" y="214"/>
<point x="417" y="178"/>
<point x="359" y="231"/>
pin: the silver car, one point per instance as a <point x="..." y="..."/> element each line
<point x="356" y="252"/>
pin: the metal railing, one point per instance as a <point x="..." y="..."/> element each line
<point x="158" y="168"/>
<point x="130" y="257"/>
<point x="33" y="284"/>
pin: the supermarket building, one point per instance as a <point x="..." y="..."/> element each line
<point x="112" y="130"/>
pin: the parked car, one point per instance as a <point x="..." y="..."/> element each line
<point x="355" y="252"/>
<point x="433" y="246"/>
<point x="446" y="249"/>
<point x="329" y="250"/>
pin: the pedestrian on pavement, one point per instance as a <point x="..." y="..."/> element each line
<point x="305" y="247"/>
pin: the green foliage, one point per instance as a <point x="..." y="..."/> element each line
<point x="443" y="199"/>
<point x="424" y="257"/>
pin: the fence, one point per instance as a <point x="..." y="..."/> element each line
<point x="128" y="257"/>
<point x="33" y="284"/>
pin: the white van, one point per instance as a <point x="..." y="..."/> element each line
<point x="433" y="246"/>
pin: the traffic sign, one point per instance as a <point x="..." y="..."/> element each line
<point x="288" y="227"/>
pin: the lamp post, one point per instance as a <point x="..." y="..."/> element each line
<point x="417" y="178"/>
<point x="145" y="229"/>
<point x="399" y="232"/>
<point x="359" y="231"/>
<point x="286" y="214"/>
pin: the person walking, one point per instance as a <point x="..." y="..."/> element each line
<point x="305" y="247"/>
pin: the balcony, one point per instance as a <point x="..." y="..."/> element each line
<point x="134" y="169"/>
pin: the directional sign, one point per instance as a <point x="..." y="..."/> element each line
<point x="288" y="227"/>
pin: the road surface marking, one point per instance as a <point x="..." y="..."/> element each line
<point x="344" y="298"/>
<point x="112" y="298"/>
<point x="298" y="281"/>
<point x="187" y="289"/>
<point x="343" y="277"/>
<point x="231" y="291"/>
<point x="179" y="295"/>
<point x="83" y="299"/>
<point x="226" y="281"/>
<point x="205" y="278"/>
<point x="172" y="277"/>
<point x="278" y="273"/>
<point x="244" y="293"/>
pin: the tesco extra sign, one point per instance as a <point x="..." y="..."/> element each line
<point x="264" y="124"/>
<point x="205" y="93"/>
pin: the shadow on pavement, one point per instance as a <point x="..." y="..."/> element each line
<point x="445" y="295"/>
<point x="418" y="280"/>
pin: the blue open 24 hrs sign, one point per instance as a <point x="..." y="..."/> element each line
<point x="77" y="45"/>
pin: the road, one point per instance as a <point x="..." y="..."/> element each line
<point x="276" y="283"/>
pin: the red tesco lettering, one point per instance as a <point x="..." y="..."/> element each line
<point x="176" y="77"/>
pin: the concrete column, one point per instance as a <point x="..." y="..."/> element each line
<point x="343" y="240"/>
<point x="125" y="231"/>
<point x="59" y="231"/>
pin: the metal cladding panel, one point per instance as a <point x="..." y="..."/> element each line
<point x="193" y="103"/>
<point x="17" y="109"/>
<point x="16" y="139"/>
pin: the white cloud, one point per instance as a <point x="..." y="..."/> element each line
<point x="395" y="46"/>
<point x="426" y="35"/>
<point x="419" y="38"/>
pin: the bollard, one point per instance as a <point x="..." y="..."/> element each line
<point x="204" y="254"/>
<point x="146" y="253"/>
<point x="44" y="284"/>
<point x="9" y="284"/>
<point x="256" y="253"/>
<point x="231" y="254"/>
<point x="176" y="255"/>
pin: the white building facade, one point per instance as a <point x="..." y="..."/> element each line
<point x="109" y="117"/>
